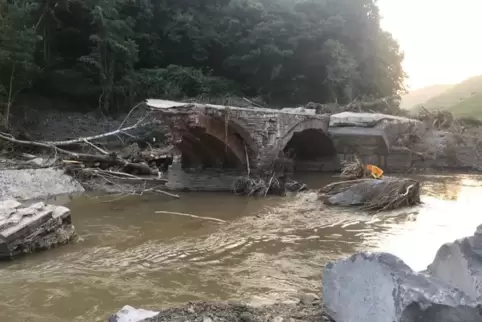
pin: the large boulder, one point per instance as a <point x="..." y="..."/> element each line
<point x="371" y="194"/>
<point x="460" y="264"/>
<point x="379" y="287"/>
<point x="25" y="229"/>
<point x="36" y="183"/>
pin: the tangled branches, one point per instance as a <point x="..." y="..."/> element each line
<point x="393" y="194"/>
<point x="438" y="119"/>
<point x="373" y="195"/>
<point x="272" y="177"/>
<point x="358" y="190"/>
<point x="353" y="170"/>
<point x="247" y="186"/>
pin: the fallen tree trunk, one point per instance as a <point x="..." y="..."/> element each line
<point x="111" y="158"/>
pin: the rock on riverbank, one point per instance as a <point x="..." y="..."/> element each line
<point x="32" y="228"/>
<point x="309" y="309"/>
<point x="27" y="184"/>
<point x="379" y="287"/>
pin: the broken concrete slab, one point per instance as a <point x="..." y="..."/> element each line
<point x="460" y="264"/>
<point x="36" y="183"/>
<point x="32" y="228"/>
<point x="379" y="287"/>
<point x="365" y="119"/>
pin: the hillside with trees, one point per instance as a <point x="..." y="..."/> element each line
<point x="109" y="54"/>
<point x="462" y="100"/>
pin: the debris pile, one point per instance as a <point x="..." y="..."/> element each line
<point x="353" y="170"/>
<point x="377" y="193"/>
<point x="387" y="105"/>
<point x="32" y="228"/>
<point x="273" y="177"/>
<point x="130" y="169"/>
<point x="437" y="119"/>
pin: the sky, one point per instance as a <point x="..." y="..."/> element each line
<point x="442" y="39"/>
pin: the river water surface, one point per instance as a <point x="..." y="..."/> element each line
<point x="268" y="249"/>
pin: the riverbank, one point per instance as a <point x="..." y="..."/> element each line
<point x="366" y="287"/>
<point x="308" y="309"/>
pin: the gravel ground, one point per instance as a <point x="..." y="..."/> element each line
<point x="309" y="309"/>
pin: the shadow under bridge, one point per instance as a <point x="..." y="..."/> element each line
<point x="310" y="147"/>
<point x="217" y="144"/>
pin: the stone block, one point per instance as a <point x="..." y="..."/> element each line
<point x="34" y="227"/>
<point x="460" y="264"/>
<point x="30" y="184"/>
<point x="379" y="287"/>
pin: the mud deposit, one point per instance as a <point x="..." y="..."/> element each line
<point x="269" y="250"/>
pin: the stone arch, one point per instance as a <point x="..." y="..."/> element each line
<point x="241" y="128"/>
<point x="211" y="144"/>
<point x="309" y="140"/>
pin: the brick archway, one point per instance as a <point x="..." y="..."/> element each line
<point x="309" y="140"/>
<point x="215" y="141"/>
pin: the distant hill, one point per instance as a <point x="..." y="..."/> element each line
<point x="420" y="96"/>
<point x="461" y="95"/>
<point x="462" y="100"/>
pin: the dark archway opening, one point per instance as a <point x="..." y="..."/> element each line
<point x="311" y="150"/>
<point x="205" y="151"/>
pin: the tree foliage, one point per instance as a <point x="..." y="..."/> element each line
<point x="110" y="53"/>
<point x="17" y="49"/>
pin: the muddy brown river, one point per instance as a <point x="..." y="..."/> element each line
<point x="268" y="249"/>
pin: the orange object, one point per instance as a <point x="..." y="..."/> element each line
<point x="375" y="171"/>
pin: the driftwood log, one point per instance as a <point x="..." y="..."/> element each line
<point x="103" y="164"/>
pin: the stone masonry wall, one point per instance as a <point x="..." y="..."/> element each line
<point x="201" y="180"/>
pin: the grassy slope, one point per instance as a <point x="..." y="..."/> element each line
<point x="457" y="95"/>
<point x="470" y="107"/>
<point x="420" y="96"/>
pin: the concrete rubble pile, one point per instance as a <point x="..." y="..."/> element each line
<point x="379" y="287"/>
<point x="25" y="229"/>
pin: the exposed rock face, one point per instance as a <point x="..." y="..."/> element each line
<point x="35" y="227"/>
<point x="460" y="264"/>
<point x="379" y="287"/>
<point x="36" y="183"/>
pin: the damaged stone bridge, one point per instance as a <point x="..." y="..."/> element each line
<point x="214" y="136"/>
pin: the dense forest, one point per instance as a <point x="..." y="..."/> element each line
<point x="113" y="53"/>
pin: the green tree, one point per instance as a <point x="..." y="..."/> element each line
<point x="114" y="53"/>
<point x="17" y="50"/>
